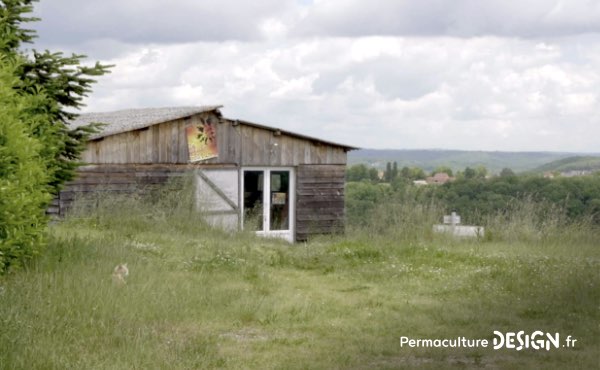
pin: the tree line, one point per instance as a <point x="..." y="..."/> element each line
<point x="391" y="174"/>
<point x="474" y="194"/>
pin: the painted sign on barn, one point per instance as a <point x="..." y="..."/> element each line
<point x="201" y="141"/>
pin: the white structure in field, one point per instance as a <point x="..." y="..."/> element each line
<point x="451" y="226"/>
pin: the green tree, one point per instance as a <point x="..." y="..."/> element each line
<point x="387" y="175"/>
<point x="469" y="173"/>
<point x="357" y="172"/>
<point x="506" y="172"/>
<point x="417" y="173"/>
<point x="405" y="173"/>
<point x="361" y="199"/>
<point x="24" y="190"/>
<point x="38" y="150"/>
<point x="374" y="175"/>
<point x="481" y="172"/>
<point x="12" y="14"/>
<point x="64" y="82"/>
<point x="441" y="169"/>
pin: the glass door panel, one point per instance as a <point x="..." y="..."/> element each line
<point x="268" y="195"/>
<point x="253" y="200"/>
<point x="279" y="200"/>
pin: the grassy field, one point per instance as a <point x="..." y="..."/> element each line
<point x="202" y="298"/>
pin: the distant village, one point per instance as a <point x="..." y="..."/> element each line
<point x="570" y="173"/>
<point x="442" y="175"/>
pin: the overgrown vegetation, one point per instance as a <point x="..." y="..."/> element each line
<point x="203" y="298"/>
<point x="38" y="151"/>
<point x="476" y="197"/>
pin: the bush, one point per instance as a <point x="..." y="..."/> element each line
<point x="362" y="198"/>
<point x="24" y="193"/>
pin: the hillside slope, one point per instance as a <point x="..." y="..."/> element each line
<point x="429" y="159"/>
<point x="575" y="163"/>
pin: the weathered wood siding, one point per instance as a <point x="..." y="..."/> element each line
<point x="255" y="146"/>
<point x="319" y="200"/>
<point x="96" y="180"/>
<point x="239" y="144"/>
<point x="161" y="143"/>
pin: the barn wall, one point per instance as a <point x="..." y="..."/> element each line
<point x="95" y="180"/>
<point x="239" y="144"/>
<point x="161" y="143"/>
<point x="319" y="200"/>
<point x="260" y="147"/>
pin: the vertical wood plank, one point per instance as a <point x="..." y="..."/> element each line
<point x="146" y="146"/>
<point x="155" y="144"/>
<point x="164" y="143"/>
<point x="174" y="141"/>
<point x="135" y="146"/>
<point x="228" y="142"/>
<point x="222" y="131"/>
<point x="182" y="156"/>
<point x="307" y="152"/>
<point x="258" y="152"/>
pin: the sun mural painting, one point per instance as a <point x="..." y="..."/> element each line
<point x="202" y="141"/>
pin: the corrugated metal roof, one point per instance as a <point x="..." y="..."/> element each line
<point x="134" y="119"/>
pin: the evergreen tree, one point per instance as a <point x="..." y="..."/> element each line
<point x="24" y="190"/>
<point x="387" y="175"/>
<point x="64" y="82"/>
<point x="507" y="172"/>
<point x="38" y="151"/>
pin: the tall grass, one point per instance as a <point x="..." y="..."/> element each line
<point x="171" y="207"/>
<point x="398" y="218"/>
<point x="407" y="217"/>
<point x="541" y="223"/>
<point x="199" y="297"/>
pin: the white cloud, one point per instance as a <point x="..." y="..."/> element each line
<point x="461" y="18"/>
<point x="435" y="80"/>
<point x="154" y="21"/>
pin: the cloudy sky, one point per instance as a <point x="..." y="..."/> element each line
<point x="402" y="74"/>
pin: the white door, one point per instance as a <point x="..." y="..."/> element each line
<point x="268" y="196"/>
<point x="217" y="197"/>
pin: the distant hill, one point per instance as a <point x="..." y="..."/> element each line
<point x="575" y="163"/>
<point x="429" y="159"/>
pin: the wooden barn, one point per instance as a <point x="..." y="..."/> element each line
<point x="246" y="175"/>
